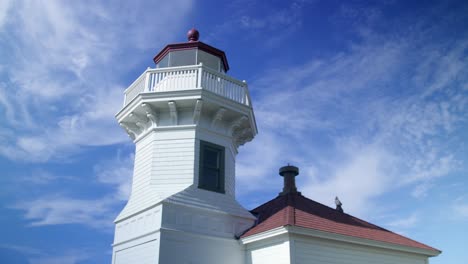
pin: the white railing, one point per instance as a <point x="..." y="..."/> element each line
<point x="188" y="78"/>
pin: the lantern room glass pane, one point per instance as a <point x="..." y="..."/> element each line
<point x="164" y="62"/>
<point x="183" y="58"/>
<point x="209" y="60"/>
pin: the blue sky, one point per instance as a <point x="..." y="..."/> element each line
<point x="369" y="99"/>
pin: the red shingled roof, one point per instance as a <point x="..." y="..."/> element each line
<point x="293" y="209"/>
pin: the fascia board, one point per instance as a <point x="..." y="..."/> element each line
<point x="184" y="95"/>
<point x="361" y="241"/>
<point x="157" y="96"/>
<point x="264" y="235"/>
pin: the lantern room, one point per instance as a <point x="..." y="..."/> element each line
<point x="192" y="52"/>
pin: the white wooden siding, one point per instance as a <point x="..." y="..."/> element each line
<point x="208" y="200"/>
<point x="313" y="251"/>
<point x="139" y="225"/>
<point x="230" y="179"/>
<point x="188" y="248"/>
<point x="164" y="165"/>
<point x="203" y="218"/>
<point x="172" y="165"/>
<point x="146" y="253"/>
<point x="277" y="253"/>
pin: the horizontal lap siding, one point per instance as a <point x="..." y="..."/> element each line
<point x="142" y="168"/>
<point x="278" y="254"/>
<point x="230" y="177"/>
<point x="312" y="252"/>
<point x="173" y="165"/>
<point x="141" y="179"/>
<point x="146" y="253"/>
<point x="138" y="225"/>
<point x="190" y="248"/>
<point x="163" y="167"/>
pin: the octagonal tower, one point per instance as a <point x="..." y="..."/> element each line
<point x="187" y="119"/>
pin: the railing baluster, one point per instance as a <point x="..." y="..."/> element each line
<point x="175" y="83"/>
<point x="213" y="83"/>
<point x="184" y="80"/>
<point x="180" y="78"/>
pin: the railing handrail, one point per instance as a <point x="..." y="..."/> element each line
<point x="224" y="76"/>
<point x="135" y="82"/>
<point x="166" y="69"/>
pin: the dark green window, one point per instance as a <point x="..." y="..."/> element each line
<point x="211" y="176"/>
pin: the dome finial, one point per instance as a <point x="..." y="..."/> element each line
<point x="193" y="35"/>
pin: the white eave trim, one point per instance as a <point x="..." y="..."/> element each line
<point x="184" y="95"/>
<point x="337" y="237"/>
<point x="264" y="235"/>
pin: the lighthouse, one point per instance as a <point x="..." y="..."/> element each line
<point x="187" y="119"/>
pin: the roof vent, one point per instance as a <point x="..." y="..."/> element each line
<point x="289" y="174"/>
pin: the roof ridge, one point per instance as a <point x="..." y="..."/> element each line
<point x="265" y="203"/>
<point x="354" y="217"/>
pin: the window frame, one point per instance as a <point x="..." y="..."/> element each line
<point x="202" y="167"/>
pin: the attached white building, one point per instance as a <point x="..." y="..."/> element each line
<point x="188" y="119"/>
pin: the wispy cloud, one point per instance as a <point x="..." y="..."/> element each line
<point x="270" y="27"/>
<point x="421" y="190"/>
<point x="58" y="209"/>
<point x="460" y="207"/>
<point x="36" y="256"/>
<point x="21" y="249"/>
<point x="118" y="173"/>
<point x="63" y="83"/>
<point x="404" y="223"/>
<point x="289" y="17"/>
<point x="4" y="9"/>
<point x="43" y="177"/>
<point x="365" y="121"/>
<point x="367" y="166"/>
<point x="70" y="258"/>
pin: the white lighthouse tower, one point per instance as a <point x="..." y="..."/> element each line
<point x="187" y="119"/>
